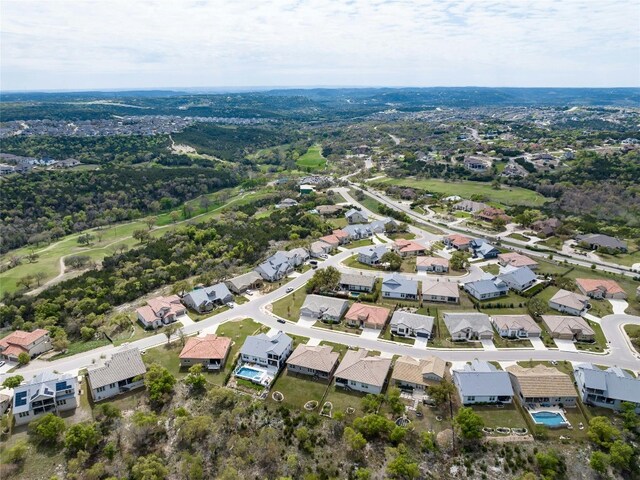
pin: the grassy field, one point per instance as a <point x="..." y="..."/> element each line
<point x="493" y="417"/>
<point x="506" y="196"/>
<point x="564" y="366"/>
<point x="360" y="243"/>
<point x="342" y="400"/>
<point x="312" y="159"/>
<point x="633" y="331"/>
<point x="299" y="389"/>
<point x="289" y="307"/>
<point x="627" y="259"/>
<point x="107" y="240"/>
<point x="519" y="236"/>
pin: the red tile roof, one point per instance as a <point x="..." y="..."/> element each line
<point x="368" y="314"/>
<point x="591" y="284"/>
<point x="207" y="347"/>
<point x="22" y="339"/>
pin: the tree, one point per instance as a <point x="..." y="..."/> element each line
<point x="536" y="306"/>
<point x="549" y="464"/>
<point x="403" y="466"/>
<point x="46" y="429"/>
<point x="39" y="276"/>
<point x="469" y="423"/>
<point x="527" y="217"/>
<point x="81" y="436"/>
<point x="60" y="342"/>
<point x="32" y="257"/>
<point x="169" y="330"/>
<point x="24" y="358"/>
<point x="394" y="401"/>
<point x="13" y="382"/>
<point x="196" y="380"/>
<point x="397" y="434"/>
<point x="371" y="403"/>
<point x="392" y="260"/>
<point x="602" y="433"/>
<point x="355" y="441"/>
<point x="18" y="453"/>
<point x="621" y="454"/>
<point x="599" y="461"/>
<point x="174" y="215"/>
<point x="159" y="383"/>
<point x="151" y="221"/>
<point x="149" y="468"/>
<point x="498" y="223"/>
<point x="428" y="441"/>
<point x="459" y="260"/>
<point x="26" y="281"/>
<point x="373" y="426"/>
<point x="85" y="239"/>
<point x="106" y="414"/>
<point x="629" y="416"/>
<point x="181" y="287"/>
<point x="141" y="235"/>
<point x="441" y="392"/>
<point x="324" y="280"/>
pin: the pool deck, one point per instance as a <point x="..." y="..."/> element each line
<point x="265" y="379"/>
<point x="555" y="410"/>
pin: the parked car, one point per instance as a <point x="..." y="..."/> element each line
<point x="281" y="320"/>
<point x="2" y="362"/>
<point x="249" y="292"/>
<point x="289" y="289"/>
<point x="229" y="304"/>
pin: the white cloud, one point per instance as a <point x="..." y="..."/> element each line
<point x="72" y="44"/>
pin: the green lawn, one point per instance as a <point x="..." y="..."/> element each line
<point x="312" y="159"/>
<point x="506" y="195"/>
<point x="552" y="242"/>
<point x="405" y="235"/>
<point x="519" y="236"/>
<point x="627" y="259"/>
<point x="289" y="306"/>
<point x="337" y="347"/>
<point x="492" y="269"/>
<point x="601" y="341"/>
<point x="354" y="263"/>
<point x="237" y="331"/>
<point x="342" y="400"/>
<point x="299" y="389"/>
<point x="500" y="342"/>
<point x="633" y="331"/>
<point x="493" y="417"/>
<point x="387" y="335"/>
<point x="80" y="347"/>
<point x="360" y="243"/>
<point x="563" y="366"/>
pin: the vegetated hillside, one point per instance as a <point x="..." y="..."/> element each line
<point x="46" y="204"/>
<point x="231" y="143"/>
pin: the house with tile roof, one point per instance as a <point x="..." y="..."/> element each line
<point x="568" y="328"/>
<point x="120" y="374"/>
<point x="32" y="343"/>
<point x="47" y="392"/>
<point x="360" y="372"/>
<point x="418" y="374"/>
<point x="457" y="241"/>
<point x="568" y="302"/>
<point x="481" y="382"/>
<point x="316" y="361"/>
<point x="397" y="287"/>
<point x="210" y="351"/>
<point x="468" y="325"/>
<point x="372" y="255"/>
<point x="206" y="299"/>
<point x="408" y="248"/>
<point x="516" y="326"/>
<point x="362" y="315"/>
<point x="354" y="282"/>
<point x="432" y="264"/>
<point x="601" y="288"/>
<point x="470" y="206"/>
<point x="515" y="259"/>
<point x="440" y="292"/>
<point x="607" y="388"/>
<point x="160" y="311"/>
<point x="405" y="324"/>
<point x="489" y="214"/>
<point x="542" y="385"/>
<point x="268" y="351"/>
<point x="327" y="309"/>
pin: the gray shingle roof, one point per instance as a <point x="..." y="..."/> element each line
<point x="520" y="276"/>
<point x="615" y="382"/>
<point x="122" y="365"/>
<point x="358" y="280"/>
<point x="217" y="292"/>
<point x="245" y="280"/>
<point x="326" y="305"/>
<point x="481" y="379"/>
<point x="261" y="345"/>
<point x="412" y="320"/>
<point x="478" y="322"/>
<point x="398" y="284"/>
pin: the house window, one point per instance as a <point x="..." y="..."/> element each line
<point x="471" y="399"/>
<point x="101" y="389"/>
<point x="62" y="402"/>
<point x="24" y="414"/>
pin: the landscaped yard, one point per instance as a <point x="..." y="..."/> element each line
<point x="359" y="243"/>
<point x="339" y="327"/>
<point x="387" y="335"/>
<point x="354" y="263"/>
<point x="298" y="389"/>
<point x="405" y="235"/>
<point x="633" y="331"/>
<point x="289" y="306"/>
<point x="493" y="417"/>
<point x="312" y="159"/>
<point x="519" y="236"/>
<point x="601" y="342"/>
<point x="500" y="342"/>
<point x="563" y="366"/>
<point x="342" y="400"/>
<point x="552" y="242"/>
<point x="507" y="196"/>
<point x="493" y="269"/>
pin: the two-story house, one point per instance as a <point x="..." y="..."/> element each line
<point x="47" y="392"/>
<point x="269" y="352"/>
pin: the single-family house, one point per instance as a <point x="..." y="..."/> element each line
<point x="32" y="343"/>
<point x="270" y="352"/>
<point x="362" y="373"/>
<point x="372" y="255"/>
<point x="440" y="292"/>
<point x="210" y="351"/>
<point x="597" y="240"/>
<point x="418" y="374"/>
<point x="354" y="282"/>
<point x="160" y="311"/>
<point x="6" y="399"/>
<point x="517" y="260"/>
<point x="468" y="326"/>
<point x="470" y="206"/>
<point x="277" y="266"/>
<point x="398" y="287"/>
<point x="489" y="214"/>
<point x="607" y="388"/>
<point x="486" y="288"/>
<point x="457" y="241"/>
<point x="385" y="225"/>
<point x="47" y="392"/>
<point x="432" y="264"/>
<point x="516" y="326"/>
<point x="329" y="210"/>
<point x="547" y="227"/>
<point x="205" y="299"/>
<point x="244" y="282"/>
<point x="286" y="203"/>
<point x="477" y="163"/>
<point x="321" y="248"/>
<point x="356" y="216"/>
<point x="518" y="278"/>
<point x="597" y="288"/>
<point x="407" y="248"/>
<point x="319" y="361"/>
<point x="327" y="309"/>
<point x="481" y="248"/>
<point x="357" y="231"/>
<point x="306" y="189"/>
<point x="405" y="324"/>
<point x="361" y="315"/>
<point x="568" y="302"/>
<point x="569" y="328"/>
<point x="120" y="374"/>
<point x="481" y="382"/>
<point x="542" y="385"/>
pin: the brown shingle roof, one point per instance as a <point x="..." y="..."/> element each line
<point x="408" y="369"/>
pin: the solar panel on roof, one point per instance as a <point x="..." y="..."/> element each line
<point x="21" y="399"/>
<point x="61" y="386"/>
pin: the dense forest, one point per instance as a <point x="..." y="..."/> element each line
<point x="209" y="250"/>
<point x="45" y="205"/>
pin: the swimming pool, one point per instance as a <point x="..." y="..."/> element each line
<point x="251" y="374"/>
<point x="550" y="419"/>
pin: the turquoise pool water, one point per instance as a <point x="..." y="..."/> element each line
<point x="249" y="373"/>
<point x="550" y="419"/>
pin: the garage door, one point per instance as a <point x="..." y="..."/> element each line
<point x="422" y="334"/>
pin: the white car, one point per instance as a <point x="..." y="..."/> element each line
<point x="289" y="289"/>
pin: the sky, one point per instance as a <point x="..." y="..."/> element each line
<point x="113" y="44"/>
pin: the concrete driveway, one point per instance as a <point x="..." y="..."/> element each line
<point x="421" y="342"/>
<point x="7" y="366"/>
<point x="488" y="345"/>
<point x="619" y="306"/>
<point x="307" y="321"/>
<point x="370" y="333"/>
<point x="185" y="320"/>
<point x="566" y="345"/>
<point x="537" y="343"/>
<point x="313" y="342"/>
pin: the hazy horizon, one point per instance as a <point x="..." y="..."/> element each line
<point x="89" y="45"/>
